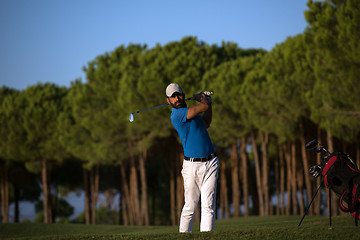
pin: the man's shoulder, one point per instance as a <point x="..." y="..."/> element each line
<point x="178" y="114"/>
<point x="178" y="110"/>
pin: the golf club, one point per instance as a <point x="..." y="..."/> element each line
<point x="131" y="117"/>
<point x="313" y="144"/>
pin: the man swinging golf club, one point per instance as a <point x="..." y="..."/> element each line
<point x="200" y="166"/>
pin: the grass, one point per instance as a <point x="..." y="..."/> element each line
<point x="312" y="228"/>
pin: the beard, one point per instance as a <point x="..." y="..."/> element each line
<point x="179" y="104"/>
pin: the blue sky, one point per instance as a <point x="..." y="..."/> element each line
<point x="51" y="40"/>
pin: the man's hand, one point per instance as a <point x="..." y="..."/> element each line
<point x="203" y="97"/>
<point x="204" y="107"/>
<point x="208" y="93"/>
<point x="208" y="99"/>
<point x="198" y="96"/>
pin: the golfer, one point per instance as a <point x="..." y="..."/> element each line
<point x="200" y="166"/>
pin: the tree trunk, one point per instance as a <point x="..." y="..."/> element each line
<point x="125" y="196"/>
<point x="277" y="182"/>
<point x="282" y="180"/>
<point x="46" y="193"/>
<point x="288" y="178"/>
<point x="16" y="201"/>
<point x="317" y="200"/>
<point x="300" y="184"/>
<point x="134" y="193"/>
<point x="305" y="166"/>
<point x="4" y="193"/>
<point x="124" y="211"/>
<point x="134" y="188"/>
<point x="179" y="183"/>
<point x="179" y="196"/>
<point x="97" y="184"/>
<point x="244" y="175"/>
<point x="258" y="175"/>
<point x="265" y="172"/>
<point x="253" y="192"/>
<point x="234" y="159"/>
<point x="328" y="202"/>
<point x="172" y="197"/>
<point x="94" y="179"/>
<point x="87" y="196"/>
<point x="221" y="191"/>
<point x="293" y="180"/>
<point x="144" y="196"/>
<point x="224" y="202"/>
<point x="172" y="169"/>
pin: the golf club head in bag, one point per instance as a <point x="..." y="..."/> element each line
<point x="315" y="171"/>
<point x="312" y="144"/>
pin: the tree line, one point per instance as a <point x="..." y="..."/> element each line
<point x="267" y="105"/>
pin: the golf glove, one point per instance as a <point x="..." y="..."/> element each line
<point x="199" y="96"/>
<point x="208" y="93"/>
<point x="207" y="96"/>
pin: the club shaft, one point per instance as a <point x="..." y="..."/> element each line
<point x="155" y="107"/>
<point x="325" y="150"/>
<point x="150" y="108"/>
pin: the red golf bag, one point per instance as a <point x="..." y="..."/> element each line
<point x="341" y="175"/>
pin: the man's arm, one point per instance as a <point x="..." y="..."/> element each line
<point x="207" y="116"/>
<point x="205" y="107"/>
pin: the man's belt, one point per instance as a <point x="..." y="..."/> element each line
<point x="202" y="159"/>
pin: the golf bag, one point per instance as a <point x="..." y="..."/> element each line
<point x="341" y="175"/>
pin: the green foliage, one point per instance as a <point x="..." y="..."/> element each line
<point x="63" y="220"/>
<point x="229" y="121"/>
<point x="39" y="217"/>
<point x="333" y="41"/>
<point x="25" y="182"/>
<point x="274" y="92"/>
<point x="44" y="103"/>
<point x="107" y="216"/>
<point x="30" y="191"/>
<point x="103" y="216"/>
<point x="76" y="138"/>
<point x="61" y="208"/>
<point x="12" y="131"/>
<point x="72" y="180"/>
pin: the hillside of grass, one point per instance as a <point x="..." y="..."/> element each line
<point x="313" y="228"/>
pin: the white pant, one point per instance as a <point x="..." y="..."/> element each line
<point x="200" y="179"/>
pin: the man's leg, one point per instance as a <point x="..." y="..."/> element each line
<point x="192" y="195"/>
<point x="208" y="196"/>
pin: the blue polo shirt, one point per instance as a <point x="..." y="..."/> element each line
<point x="193" y="134"/>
